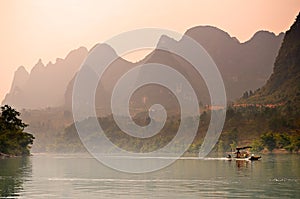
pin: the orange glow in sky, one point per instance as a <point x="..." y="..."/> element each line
<point x="47" y="29"/>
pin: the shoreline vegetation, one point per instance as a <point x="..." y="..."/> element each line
<point x="4" y="155"/>
<point x="266" y="129"/>
<point x="13" y="140"/>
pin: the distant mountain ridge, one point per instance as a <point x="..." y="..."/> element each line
<point x="45" y="85"/>
<point x="244" y="66"/>
<point x="283" y="87"/>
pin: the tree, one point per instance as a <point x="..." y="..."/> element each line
<point x="269" y="141"/>
<point x="233" y="146"/>
<point x="245" y="95"/>
<point x="295" y="144"/>
<point x="220" y="146"/>
<point x="283" y="140"/>
<point x="257" y="146"/>
<point x="233" y="135"/>
<point x="251" y="93"/>
<point x="13" y="139"/>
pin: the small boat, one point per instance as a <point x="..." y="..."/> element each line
<point x="253" y="157"/>
<point x="241" y="154"/>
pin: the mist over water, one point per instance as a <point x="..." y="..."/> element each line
<point x="81" y="176"/>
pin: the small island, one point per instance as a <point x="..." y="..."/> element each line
<point x="13" y="140"/>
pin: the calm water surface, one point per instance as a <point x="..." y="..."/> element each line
<point x="81" y="176"/>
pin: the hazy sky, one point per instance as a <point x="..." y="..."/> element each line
<point x="49" y="29"/>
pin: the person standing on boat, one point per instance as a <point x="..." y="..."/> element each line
<point x="238" y="154"/>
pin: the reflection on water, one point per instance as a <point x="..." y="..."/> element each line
<point x="241" y="163"/>
<point x="81" y="176"/>
<point x="13" y="172"/>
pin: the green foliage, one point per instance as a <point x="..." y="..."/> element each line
<point x="233" y="146"/>
<point x="243" y="126"/>
<point x="282" y="140"/>
<point x="233" y="135"/>
<point x="248" y="124"/>
<point x="68" y="140"/>
<point x="9" y="119"/>
<point x="220" y="146"/>
<point x="294" y="144"/>
<point x="268" y="140"/>
<point x="13" y="139"/>
<point x="257" y="145"/>
<point x="277" y="140"/>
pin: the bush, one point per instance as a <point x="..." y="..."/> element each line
<point x="257" y="146"/>
<point x="269" y="141"/>
<point x="13" y="139"/>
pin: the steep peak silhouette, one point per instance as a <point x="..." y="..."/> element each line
<point x="37" y="67"/>
<point x="166" y="42"/>
<point x="20" y="77"/>
<point x="44" y="86"/>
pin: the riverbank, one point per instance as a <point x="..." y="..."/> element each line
<point x="4" y="155"/>
<point x="279" y="151"/>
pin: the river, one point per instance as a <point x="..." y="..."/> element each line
<point x="81" y="176"/>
